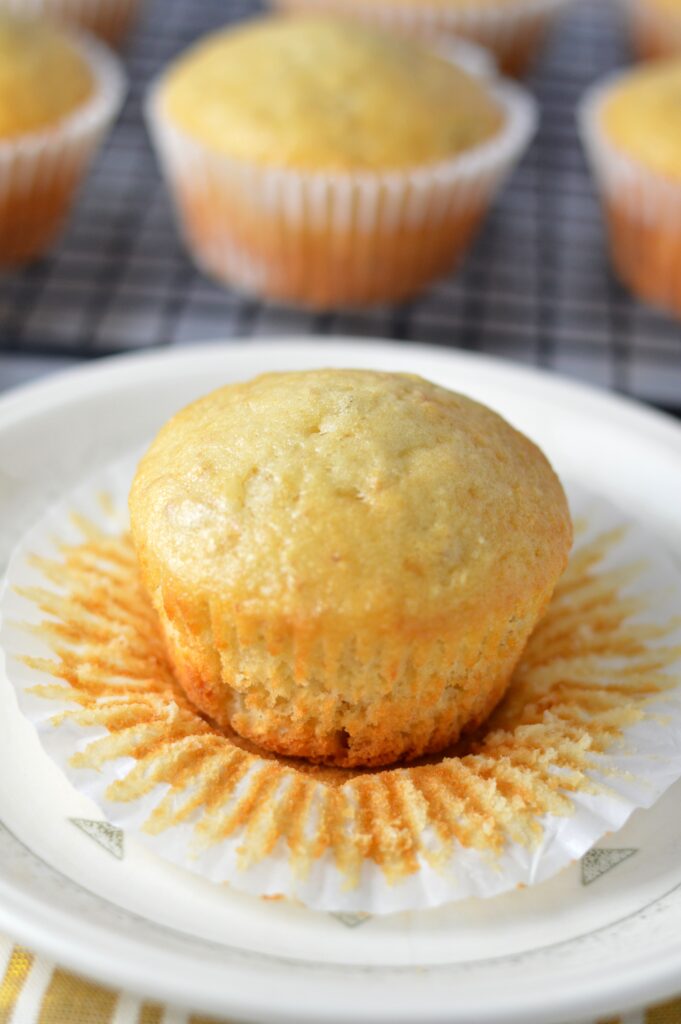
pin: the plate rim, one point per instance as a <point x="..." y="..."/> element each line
<point x="19" y="402"/>
<point x="617" y="994"/>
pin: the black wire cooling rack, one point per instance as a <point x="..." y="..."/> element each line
<point x="536" y="287"/>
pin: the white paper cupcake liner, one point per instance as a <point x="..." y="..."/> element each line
<point x="590" y="729"/>
<point x="41" y="171"/>
<point x="334" y="239"/>
<point x="111" y="20"/>
<point x="642" y="208"/>
<point x="654" y="31"/>
<point x="512" y="31"/>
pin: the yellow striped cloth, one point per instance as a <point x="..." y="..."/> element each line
<point x="34" y="990"/>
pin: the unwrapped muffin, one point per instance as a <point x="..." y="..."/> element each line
<point x="317" y="161"/>
<point x="631" y="127"/>
<point x="513" y="30"/>
<point x="655" y="27"/>
<point x="58" y="95"/>
<point x="346" y="564"/>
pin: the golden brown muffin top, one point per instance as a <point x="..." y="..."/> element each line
<point x="320" y="93"/>
<point x="353" y="493"/>
<point x="642" y="116"/>
<point x="43" y="78"/>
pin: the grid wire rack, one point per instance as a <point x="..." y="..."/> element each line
<point x="535" y="288"/>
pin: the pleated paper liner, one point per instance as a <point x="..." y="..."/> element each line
<point x="642" y="207"/>
<point x="589" y="731"/>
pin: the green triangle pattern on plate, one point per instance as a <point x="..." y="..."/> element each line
<point x="352" y="920"/>
<point x="596" y="863"/>
<point x="108" y="836"/>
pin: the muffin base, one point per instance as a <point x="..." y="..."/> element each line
<point x="642" y="210"/>
<point x="40" y="172"/>
<point x="334" y="239"/>
<point x="299" y="697"/>
<point x="374" y="744"/>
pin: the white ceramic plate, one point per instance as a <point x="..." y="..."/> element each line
<point x="604" y="935"/>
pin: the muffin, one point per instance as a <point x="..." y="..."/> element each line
<point x="655" y="27"/>
<point x="346" y="564"/>
<point x="111" y="20"/>
<point x="319" y="162"/>
<point x="58" y="95"/>
<point x="631" y="127"/>
<point x="513" y="30"/>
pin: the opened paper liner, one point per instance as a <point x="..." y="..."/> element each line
<point x="642" y="207"/>
<point x="111" y="20"/>
<point x="326" y="239"/>
<point x="41" y="171"/>
<point x="589" y="731"/>
<point x="513" y="32"/>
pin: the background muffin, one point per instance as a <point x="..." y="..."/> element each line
<point x="346" y="564"/>
<point x="655" y="26"/>
<point x="317" y="161"/>
<point x="111" y="20"/>
<point x="631" y="128"/>
<point x="58" y="94"/>
<point x="513" y="30"/>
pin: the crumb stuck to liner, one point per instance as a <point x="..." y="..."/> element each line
<point x="323" y="239"/>
<point x="642" y="208"/>
<point x="512" y="32"/>
<point x="590" y="729"/>
<point x="40" y="172"/>
<point x="111" y="20"/>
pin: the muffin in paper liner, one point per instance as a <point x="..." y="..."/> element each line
<point x="513" y="30"/>
<point x="111" y="20"/>
<point x="655" y="30"/>
<point x="40" y="171"/>
<point x="324" y="239"/>
<point x="642" y="208"/>
<point x="590" y="729"/>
